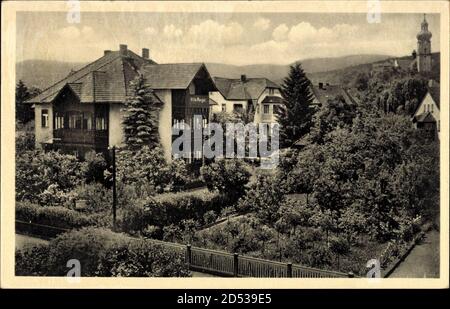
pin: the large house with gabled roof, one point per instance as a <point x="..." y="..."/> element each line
<point x="83" y="111"/>
<point x="259" y="96"/>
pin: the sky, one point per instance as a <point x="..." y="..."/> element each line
<point x="231" y="38"/>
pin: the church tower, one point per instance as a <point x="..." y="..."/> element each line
<point x="424" y="47"/>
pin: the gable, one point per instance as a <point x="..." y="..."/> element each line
<point x="428" y="99"/>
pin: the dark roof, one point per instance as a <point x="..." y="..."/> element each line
<point x="107" y="80"/>
<point x="272" y="99"/>
<point x="172" y="75"/>
<point x="435" y="93"/>
<point x="425" y="117"/>
<point x="329" y="92"/>
<point x="236" y="89"/>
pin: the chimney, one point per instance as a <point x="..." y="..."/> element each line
<point x="123" y="49"/>
<point x="320" y="85"/>
<point x="145" y="53"/>
<point x="243" y="78"/>
<point x="105" y="52"/>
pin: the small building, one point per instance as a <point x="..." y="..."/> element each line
<point x="426" y="116"/>
<point x="260" y="96"/>
<point x="323" y="92"/>
<point x="83" y="111"/>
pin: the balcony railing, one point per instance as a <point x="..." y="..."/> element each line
<point x="98" y="138"/>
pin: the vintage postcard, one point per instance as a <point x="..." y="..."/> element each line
<point x="212" y="144"/>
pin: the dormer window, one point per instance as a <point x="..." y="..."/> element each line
<point x="271" y="91"/>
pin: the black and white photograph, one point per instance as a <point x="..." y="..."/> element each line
<point x="241" y="142"/>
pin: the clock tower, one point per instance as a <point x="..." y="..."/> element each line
<point x="424" y="47"/>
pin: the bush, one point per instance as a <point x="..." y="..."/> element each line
<point x="264" y="197"/>
<point x="141" y="258"/>
<point x="96" y="166"/>
<point x="36" y="171"/>
<point x="32" y="261"/>
<point x="148" y="170"/>
<point x="101" y="253"/>
<point x="54" y="216"/>
<point x="99" y="198"/>
<point x="170" y="208"/>
<point x="86" y="245"/>
<point x="24" y="137"/>
<point x="227" y="176"/>
<point x="210" y="217"/>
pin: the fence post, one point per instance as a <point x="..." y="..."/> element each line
<point x="188" y="255"/>
<point x="235" y="264"/>
<point x="289" y="270"/>
<point x="351" y="275"/>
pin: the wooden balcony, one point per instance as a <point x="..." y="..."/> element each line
<point x="94" y="138"/>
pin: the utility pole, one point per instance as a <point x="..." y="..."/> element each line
<point x="114" y="186"/>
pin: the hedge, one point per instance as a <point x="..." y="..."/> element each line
<point x="171" y="208"/>
<point x="101" y="252"/>
<point x="56" y="216"/>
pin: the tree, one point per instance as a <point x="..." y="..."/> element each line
<point x="24" y="111"/>
<point x="264" y="197"/>
<point x="295" y="119"/>
<point x="228" y="176"/>
<point x="361" y="81"/>
<point x="141" y="116"/>
<point x="337" y="113"/>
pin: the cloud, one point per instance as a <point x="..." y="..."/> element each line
<point x="171" y="31"/>
<point x="150" y="31"/>
<point x="305" y="32"/>
<point x="280" y="33"/>
<point x="212" y="32"/>
<point x="262" y="23"/>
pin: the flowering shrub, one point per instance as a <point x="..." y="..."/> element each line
<point x="36" y="171"/>
<point x="148" y="170"/>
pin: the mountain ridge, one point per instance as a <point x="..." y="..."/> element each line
<point x="44" y="73"/>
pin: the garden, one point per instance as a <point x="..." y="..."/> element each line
<point x="362" y="187"/>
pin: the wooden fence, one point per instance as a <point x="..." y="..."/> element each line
<point x="234" y="265"/>
<point x="214" y="262"/>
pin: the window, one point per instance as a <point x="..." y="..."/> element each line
<point x="438" y="125"/>
<point x="75" y="120"/>
<point x="266" y="109"/>
<point x="44" y="118"/>
<point x="59" y="121"/>
<point x="271" y="91"/>
<point x="224" y="107"/>
<point x="432" y="108"/>
<point x="87" y="121"/>
<point x="238" y="108"/>
<point x="100" y="123"/>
